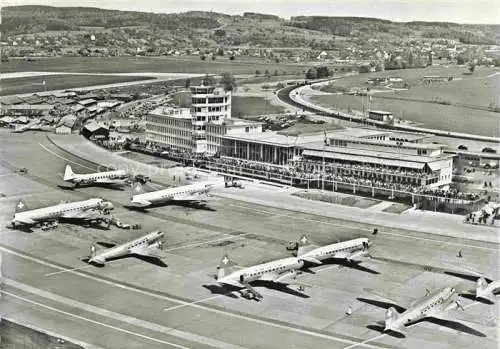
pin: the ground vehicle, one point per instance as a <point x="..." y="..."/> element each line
<point x="142" y="178"/>
<point x="23" y="170"/>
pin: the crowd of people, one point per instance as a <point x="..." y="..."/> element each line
<point x="309" y="172"/>
<point x="303" y="172"/>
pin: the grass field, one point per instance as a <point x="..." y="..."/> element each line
<point x="443" y="117"/>
<point x="127" y="64"/>
<point x="464" y="93"/>
<point x="477" y="89"/>
<point x="243" y="106"/>
<point x="60" y="82"/>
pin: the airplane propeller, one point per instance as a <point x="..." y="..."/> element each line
<point x="459" y="304"/>
<point x="161" y="245"/>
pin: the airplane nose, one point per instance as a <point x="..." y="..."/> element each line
<point x="108" y="205"/>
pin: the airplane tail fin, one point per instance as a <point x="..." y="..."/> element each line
<point x="481" y="283"/>
<point x="226" y="266"/>
<point x="68" y="173"/>
<point x="482" y="290"/>
<point x="391" y="315"/>
<point x="93" y="250"/>
<point x="304" y="245"/>
<point x="136" y="188"/>
<point x="21" y="206"/>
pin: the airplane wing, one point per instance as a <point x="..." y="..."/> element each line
<point x="385" y="302"/>
<point x="200" y="198"/>
<point x="147" y="252"/>
<point x="87" y="214"/>
<point x="311" y="260"/>
<point x="446" y="321"/>
<point x="27" y="221"/>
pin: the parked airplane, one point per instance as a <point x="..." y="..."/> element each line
<point x="431" y="308"/>
<point x="143" y="248"/>
<point x="282" y="271"/>
<point x="486" y="288"/>
<point x="194" y="193"/>
<point x="118" y="177"/>
<point x="349" y="250"/>
<point x="87" y="210"/>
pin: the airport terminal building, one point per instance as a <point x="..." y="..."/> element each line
<point x="353" y="155"/>
<point x="197" y="129"/>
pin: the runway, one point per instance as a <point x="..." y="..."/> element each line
<point x="132" y="304"/>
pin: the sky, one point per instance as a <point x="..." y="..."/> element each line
<point x="458" y="11"/>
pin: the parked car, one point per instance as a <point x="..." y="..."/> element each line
<point x="142" y="178"/>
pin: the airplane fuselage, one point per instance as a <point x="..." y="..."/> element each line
<point x="260" y="271"/>
<point x="169" y="194"/>
<point x="428" y="306"/>
<point x="126" y="248"/>
<point x="338" y="250"/>
<point x="55" y="212"/>
<point x="100" y="177"/>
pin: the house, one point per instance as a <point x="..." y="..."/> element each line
<point x="93" y="130"/>
<point x="67" y="124"/>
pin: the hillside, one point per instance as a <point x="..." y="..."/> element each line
<point x="121" y="30"/>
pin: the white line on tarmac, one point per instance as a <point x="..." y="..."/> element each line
<point x="366" y="341"/>
<point x="37" y="194"/>
<point x="383" y="233"/>
<point x="206" y="242"/>
<point x="195" y="302"/>
<point x="93" y="321"/>
<point x="62" y="157"/>
<point x="311" y="333"/>
<point x="67" y="270"/>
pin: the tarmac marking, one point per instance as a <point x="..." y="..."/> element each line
<point x="331" y="337"/>
<point x="67" y="270"/>
<point x="366" y="341"/>
<point x="382" y="233"/>
<point x="92" y="321"/>
<point x="66" y="159"/>
<point x="195" y="302"/>
<point x="207" y="242"/>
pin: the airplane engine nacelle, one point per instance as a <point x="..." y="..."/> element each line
<point x="106" y="206"/>
<point x="244" y="278"/>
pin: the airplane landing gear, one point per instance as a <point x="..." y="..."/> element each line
<point x="247" y="294"/>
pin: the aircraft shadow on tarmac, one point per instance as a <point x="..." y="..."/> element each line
<point x="380" y="328"/>
<point x="341" y="263"/>
<point x="72" y="221"/>
<point x="381" y="304"/>
<point x="466" y="276"/>
<point x="454" y="325"/>
<point x="99" y="185"/>
<point x="472" y="297"/>
<point x="227" y="290"/>
<point x="185" y="204"/>
<point x="152" y="260"/>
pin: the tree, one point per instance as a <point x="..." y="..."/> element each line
<point x="208" y="80"/>
<point x="257" y="72"/>
<point x="322" y="72"/>
<point x="213" y="58"/>
<point x="411" y="59"/>
<point x="312" y="73"/>
<point x="228" y="82"/>
<point x="460" y="59"/>
<point x="267" y="73"/>
<point x="429" y="60"/>
<point x="203" y="57"/>
<point x="188" y="83"/>
<point x="231" y="58"/>
<point x="364" y="68"/>
<point x="472" y="67"/>
<point x="276" y="73"/>
<point x="220" y="51"/>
